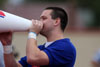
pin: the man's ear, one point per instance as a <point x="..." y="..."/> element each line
<point x="57" y="21"/>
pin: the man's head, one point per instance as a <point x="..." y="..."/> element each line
<point x="59" y="13"/>
<point x="53" y="18"/>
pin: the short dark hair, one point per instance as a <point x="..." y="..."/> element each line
<point x="59" y="13"/>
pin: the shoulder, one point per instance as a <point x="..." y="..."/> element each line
<point x="64" y="44"/>
<point x="41" y="47"/>
<point x="63" y="41"/>
<point x="60" y="49"/>
<point x="63" y="47"/>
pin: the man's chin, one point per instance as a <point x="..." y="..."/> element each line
<point x="42" y="33"/>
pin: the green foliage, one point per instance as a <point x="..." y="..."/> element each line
<point x="2" y="3"/>
<point x="45" y="0"/>
<point x="95" y="6"/>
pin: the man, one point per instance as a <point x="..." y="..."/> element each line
<point x="96" y="59"/>
<point x="56" y="52"/>
<point x="1" y="56"/>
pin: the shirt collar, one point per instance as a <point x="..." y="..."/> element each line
<point x="48" y="43"/>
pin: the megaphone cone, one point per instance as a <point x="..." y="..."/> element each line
<point x="11" y="22"/>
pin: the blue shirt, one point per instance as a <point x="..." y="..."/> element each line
<point x="61" y="53"/>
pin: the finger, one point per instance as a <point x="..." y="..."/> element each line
<point x="41" y="24"/>
<point x="3" y="42"/>
<point x="5" y="34"/>
<point x="10" y="33"/>
<point x="32" y="21"/>
<point x="37" y="22"/>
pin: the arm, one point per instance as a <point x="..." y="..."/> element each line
<point x="34" y="55"/>
<point x="8" y="58"/>
<point x="10" y="61"/>
<point x="96" y="59"/>
<point x="95" y="64"/>
<point x="1" y="56"/>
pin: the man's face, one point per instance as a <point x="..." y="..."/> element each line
<point x="48" y="22"/>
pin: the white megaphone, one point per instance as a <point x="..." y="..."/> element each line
<point x="10" y="22"/>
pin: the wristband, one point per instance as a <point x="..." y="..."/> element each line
<point x="32" y="35"/>
<point x="8" y="49"/>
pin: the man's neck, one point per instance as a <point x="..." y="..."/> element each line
<point x="55" y="36"/>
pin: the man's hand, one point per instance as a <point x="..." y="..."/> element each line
<point x="6" y="38"/>
<point x="36" y="26"/>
